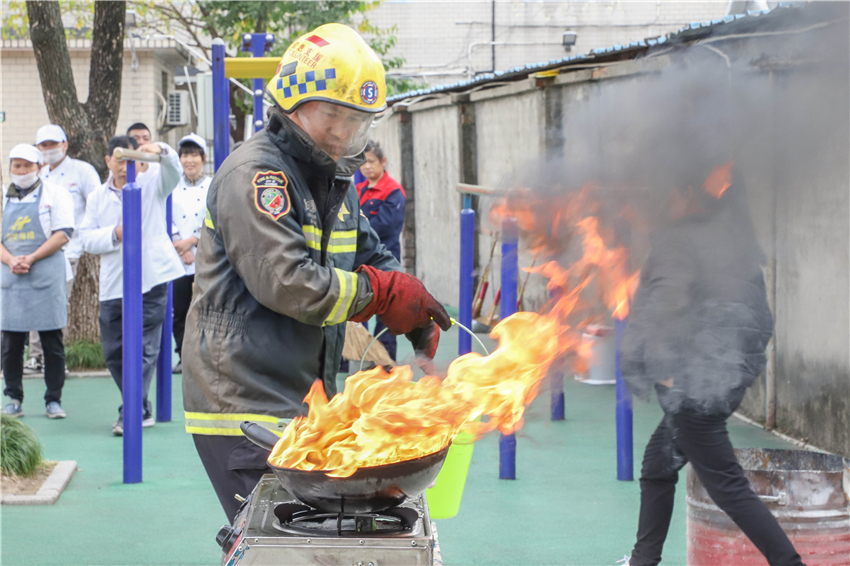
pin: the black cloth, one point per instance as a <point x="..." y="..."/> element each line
<point x="182" y="289"/>
<point x="700" y="317"/>
<point x="692" y="436"/>
<point x="234" y="465"/>
<point x="54" y="363"/>
<point x="701" y="313"/>
<point x="112" y="332"/>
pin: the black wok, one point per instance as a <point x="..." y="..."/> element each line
<point x="368" y="490"/>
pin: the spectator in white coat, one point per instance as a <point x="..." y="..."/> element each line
<point x="102" y="234"/>
<point x="80" y="179"/>
<point x="38" y="219"/>
<point x="189" y="204"/>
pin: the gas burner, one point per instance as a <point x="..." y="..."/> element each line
<point x="299" y="519"/>
<point x="272" y="527"/>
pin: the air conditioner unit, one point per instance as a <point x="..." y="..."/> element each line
<point x="178" y="108"/>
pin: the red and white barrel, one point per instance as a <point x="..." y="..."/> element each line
<point x="807" y="492"/>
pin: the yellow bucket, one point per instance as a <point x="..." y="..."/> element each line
<point x="444" y="498"/>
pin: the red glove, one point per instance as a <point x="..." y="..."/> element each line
<point x="425" y="340"/>
<point x="401" y="302"/>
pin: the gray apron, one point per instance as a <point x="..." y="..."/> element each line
<point x="35" y="300"/>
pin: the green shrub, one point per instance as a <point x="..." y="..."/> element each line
<point x="82" y="354"/>
<point x="20" y="450"/>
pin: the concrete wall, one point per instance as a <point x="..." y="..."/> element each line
<point x="508" y="137"/>
<point x="436" y="150"/>
<point x="798" y="187"/>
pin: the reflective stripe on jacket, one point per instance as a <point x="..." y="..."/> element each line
<point x="274" y="282"/>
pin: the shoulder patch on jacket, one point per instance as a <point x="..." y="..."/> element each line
<point x="270" y="194"/>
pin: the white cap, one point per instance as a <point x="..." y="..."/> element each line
<point x="27" y="152"/>
<point x="50" y="132"/>
<point x="195" y="139"/>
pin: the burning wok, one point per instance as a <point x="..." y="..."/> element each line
<point x="368" y="490"/>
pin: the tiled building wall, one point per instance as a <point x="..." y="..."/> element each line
<point x="23" y="101"/>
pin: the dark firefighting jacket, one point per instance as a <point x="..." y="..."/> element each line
<point x="383" y="205"/>
<point x="700" y="315"/>
<point x="274" y="282"/>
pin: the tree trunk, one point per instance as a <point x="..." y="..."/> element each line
<point x="88" y="126"/>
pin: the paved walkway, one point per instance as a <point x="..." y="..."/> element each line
<point x="565" y="508"/>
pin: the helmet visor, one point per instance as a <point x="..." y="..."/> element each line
<point x="340" y="131"/>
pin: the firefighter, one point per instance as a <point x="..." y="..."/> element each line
<point x="286" y="258"/>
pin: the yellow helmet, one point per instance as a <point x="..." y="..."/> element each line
<point x="332" y="64"/>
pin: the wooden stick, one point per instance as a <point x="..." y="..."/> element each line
<point x="124" y="154"/>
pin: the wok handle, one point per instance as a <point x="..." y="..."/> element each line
<point x="262" y="437"/>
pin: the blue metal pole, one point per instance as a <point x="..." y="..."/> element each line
<point x="625" y="451"/>
<point x="467" y="249"/>
<point x="221" y="104"/>
<point x="163" y="365"/>
<point x="507" y="444"/>
<point x="132" y="347"/>
<point x="556" y="406"/>
<point x="257" y="44"/>
<point x="556" y="402"/>
<point x="258" y="104"/>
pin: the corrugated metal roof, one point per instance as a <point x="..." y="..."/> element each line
<point x="599" y="54"/>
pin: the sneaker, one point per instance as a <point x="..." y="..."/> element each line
<point x="178" y="368"/>
<point x="624" y="561"/>
<point x="148" y="421"/>
<point x="118" y="428"/>
<point x="55" y="411"/>
<point x="14" y="409"/>
<point x="33" y="366"/>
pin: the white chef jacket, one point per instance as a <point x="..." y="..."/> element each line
<point x="80" y="179"/>
<point x="55" y="212"/>
<point x="188" y="207"/>
<point x="104" y="212"/>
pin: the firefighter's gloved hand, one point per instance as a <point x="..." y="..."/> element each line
<point x="401" y="302"/>
<point x="425" y="340"/>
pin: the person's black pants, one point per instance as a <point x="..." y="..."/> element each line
<point x="234" y="465"/>
<point x="702" y="440"/>
<point x="112" y="332"/>
<point x="182" y="289"/>
<point x="13" y="344"/>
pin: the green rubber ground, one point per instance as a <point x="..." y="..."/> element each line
<point x="566" y="506"/>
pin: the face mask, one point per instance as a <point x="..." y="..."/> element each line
<point x="25" y="181"/>
<point x="53" y="156"/>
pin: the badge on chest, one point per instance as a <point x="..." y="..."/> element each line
<point x="270" y="193"/>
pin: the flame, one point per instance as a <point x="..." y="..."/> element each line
<point x="381" y="417"/>
<point x="387" y="417"/>
<point x="718" y="180"/>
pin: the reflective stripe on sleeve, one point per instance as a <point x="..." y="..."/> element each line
<point x="208" y="220"/>
<point x="220" y="424"/>
<point x="347" y="292"/>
